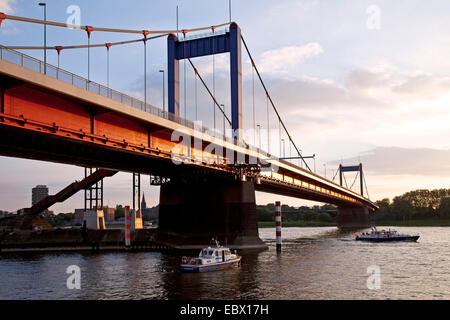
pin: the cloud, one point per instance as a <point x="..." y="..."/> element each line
<point x="423" y="84"/>
<point x="403" y="161"/>
<point x="7" y="6"/>
<point x="308" y="104"/>
<point x="365" y="79"/>
<point x="284" y="59"/>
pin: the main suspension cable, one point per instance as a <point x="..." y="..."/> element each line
<point x="334" y="177"/>
<point x="354" y="181"/>
<point x="345" y="180"/>
<point x="365" y="184"/>
<point x="214" y="77"/>
<point x="209" y="91"/>
<point x="82" y="46"/>
<point x="271" y="101"/>
<point x="4" y="16"/>
<point x="254" y="117"/>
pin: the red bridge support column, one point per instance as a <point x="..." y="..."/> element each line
<point x="191" y="214"/>
<point x="353" y="217"/>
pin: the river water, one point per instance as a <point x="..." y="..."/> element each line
<point x="316" y="263"/>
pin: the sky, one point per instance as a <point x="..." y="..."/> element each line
<point x="354" y="80"/>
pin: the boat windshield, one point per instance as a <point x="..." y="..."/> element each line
<point x="206" y="252"/>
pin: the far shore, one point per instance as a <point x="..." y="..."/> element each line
<point x="381" y="223"/>
<point x="288" y="224"/>
<point x="415" y="223"/>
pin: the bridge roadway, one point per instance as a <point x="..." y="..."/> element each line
<point x="63" y="118"/>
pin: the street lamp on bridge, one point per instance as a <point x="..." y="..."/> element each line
<point x="259" y="134"/>
<point x="164" y="90"/>
<point x="43" y="4"/>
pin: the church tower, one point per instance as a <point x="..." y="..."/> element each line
<point x="143" y="203"/>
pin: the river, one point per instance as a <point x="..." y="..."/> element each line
<point x="315" y="263"/>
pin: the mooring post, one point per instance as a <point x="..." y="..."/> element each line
<point x="278" y="224"/>
<point x="127" y="227"/>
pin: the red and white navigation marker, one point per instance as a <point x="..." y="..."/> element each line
<point x="278" y="224"/>
<point x="127" y="226"/>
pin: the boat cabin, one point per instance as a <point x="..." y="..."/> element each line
<point x="215" y="254"/>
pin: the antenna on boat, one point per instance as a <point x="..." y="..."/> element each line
<point x="214" y="241"/>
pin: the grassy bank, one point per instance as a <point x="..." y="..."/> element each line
<point x="415" y="223"/>
<point x="287" y="224"/>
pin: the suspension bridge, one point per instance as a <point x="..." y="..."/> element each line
<point x="208" y="176"/>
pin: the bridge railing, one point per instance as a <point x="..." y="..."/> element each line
<point x="29" y="62"/>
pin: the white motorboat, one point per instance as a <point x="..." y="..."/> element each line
<point x="211" y="258"/>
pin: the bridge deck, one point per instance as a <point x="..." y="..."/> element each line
<point x="46" y="105"/>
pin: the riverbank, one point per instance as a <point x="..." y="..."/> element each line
<point x="77" y="239"/>
<point x="287" y="224"/>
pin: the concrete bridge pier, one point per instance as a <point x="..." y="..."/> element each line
<point x="353" y="217"/>
<point x="191" y="213"/>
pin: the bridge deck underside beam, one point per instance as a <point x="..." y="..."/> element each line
<point x="19" y="143"/>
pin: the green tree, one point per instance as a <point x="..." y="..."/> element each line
<point x="264" y="213"/>
<point x="401" y="208"/>
<point x="384" y="203"/>
<point x="323" y="216"/>
<point x="444" y="207"/>
<point x="384" y="206"/>
<point x="328" y="207"/>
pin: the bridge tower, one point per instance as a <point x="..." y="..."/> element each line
<point x="357" y="168"/>
<point x="191" y="48"/>
<point x="352" y="217"/>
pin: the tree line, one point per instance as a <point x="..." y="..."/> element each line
<point x="323" y="213"/>
<point x="417" y="204"/>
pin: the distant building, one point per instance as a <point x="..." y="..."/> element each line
<point x="143" y="206"/>
<point x="143" y="203"/>
<point x="3" y="213"/>
<point x="94" y="219"/>
<point x="149" y="213"/>
<point x="37" y="194"/>
<point x="78" y="216"/>
<point x="108" y="214"/>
